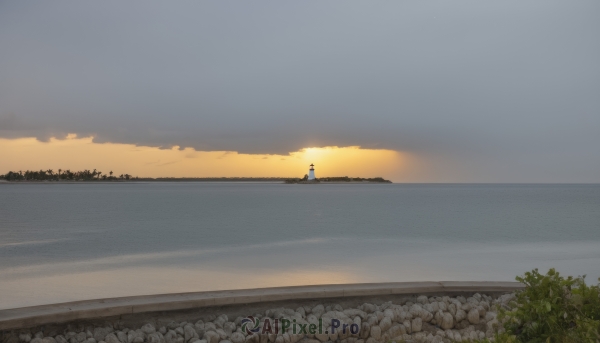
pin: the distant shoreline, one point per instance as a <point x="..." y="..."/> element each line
<point x="282" y="181"/>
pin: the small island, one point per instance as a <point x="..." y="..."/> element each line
<point x="310" y="178"/>
<point x="95" y="175"/>
<point x="338" y="179"/>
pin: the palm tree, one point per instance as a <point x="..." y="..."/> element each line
<point x="110" y="173"/>
<point x="99" y="175"/>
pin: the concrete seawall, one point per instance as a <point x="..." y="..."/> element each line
<point x="140" y="308"/>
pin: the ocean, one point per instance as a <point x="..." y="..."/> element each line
<point x="64" y="242"/>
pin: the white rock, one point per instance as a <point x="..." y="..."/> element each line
<point x="385" y="324"/>
<point x="416" y="324"/>
<point x="460" y="316"/>
<point x="318" y="310"/>
<point x="256" y="339"/>
<point x="473" y="316"/>
<point x="99" y="334"/>
<point x="473" y="336"/>
<point x="492" y="324"/>
<point x="147" y="329"/>
<point x="155" y="338"/>
<point x="189" y="333"/>
<point x="111" y="338"/>
<point x="408" y="326"/>
<point x="452" y="309"/>
<point x="365" y="330"/>
<point x="211" y="337"/>
<point x="376" y="332"/>
<point x="396" y="331"/>
<point x="447" y="321"/>
<point x="422" y="300"/>
<point x="237" y="337"/>
<point x="369" y="308"/>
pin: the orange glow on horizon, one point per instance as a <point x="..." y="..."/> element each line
<point x="78" y="153"/>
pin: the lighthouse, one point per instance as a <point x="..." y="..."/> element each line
<point x="311" y="173"/>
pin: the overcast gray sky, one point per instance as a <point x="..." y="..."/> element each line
<point x="507" y="90"/>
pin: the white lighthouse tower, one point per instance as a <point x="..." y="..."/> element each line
<point x="311" y="173"/>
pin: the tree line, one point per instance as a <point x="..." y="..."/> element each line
<point x="63" y="175"/>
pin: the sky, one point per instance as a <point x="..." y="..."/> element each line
<point x="413" y="91"/>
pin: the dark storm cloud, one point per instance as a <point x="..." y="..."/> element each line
<point x="488" y="83"/>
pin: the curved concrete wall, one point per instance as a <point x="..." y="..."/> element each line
<point x="27" y="317"/>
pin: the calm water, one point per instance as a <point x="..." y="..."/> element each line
<point x="61" y="242"/>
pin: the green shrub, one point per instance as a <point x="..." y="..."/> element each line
<point x="551" y="309"/>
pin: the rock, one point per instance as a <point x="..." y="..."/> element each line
<point x="451" y="308"/>
<point x="111" y="338"/>
<point x="396" y="331"/>
<point x="490" y="316"/>
<point x="62" y="339"/>
<point x="25" y="337"/>
<point x="170" y="336"/>
<point x="225" y="341"/>
<point x="48" y="340"/>
<point x="99" y="334"/>
<point x="222" y="334"/>
<point x="279" y="339"/>
<point x="338" y="307"/>
<point x="365" y="330"/>
<point x="318" y="310"/>
<point x="492" y="324"/>
<point x="153" y="338"/>
<point x="482" y="311"/>
<point x="368" y="308"/>
<point x="121" y="336"/>
<point x="385" y="324"/>
<point x="460" y="315"/>
<point x="407" y="325"/>
<point x="323" y="337"/>
<point x="473" y="336"/>
<point x="180" y="332"/>
<point x="416" y="324"/>
<point x="89" y="340"/>
<point x="211" y="337"/>
<point x="389" y="313"/>
<point x="162" y="330"/>
<point x="189" y="333"/>
<point x="222" y="319"/>
<point x="148" y="329"/>
<point x="473" y="316"/>
<point x="422" y="300"/>
<point x="237" y="337"/>
<point x="375" y="332"/>
<point x="351" y="312"/>
<point x="229" y="327"/>
<point x="447" y="321"/>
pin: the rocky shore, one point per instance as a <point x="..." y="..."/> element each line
<point x="411" y="319"/>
